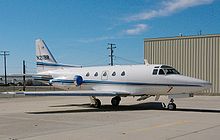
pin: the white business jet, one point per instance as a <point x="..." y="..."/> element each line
<point x="116" y="81"/>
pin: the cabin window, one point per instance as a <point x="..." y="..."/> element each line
<point x="156" y="67"/>
<point x="96" y="74"/>
<point x="123" y="73"/>
<point x="105" y="74"/>
<point x="87" y="74"/>
<point x="114" y="73"/>
<point x="155" y="71"/>
<point x="161" y="72"/>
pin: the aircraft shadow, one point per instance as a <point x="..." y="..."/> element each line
<point x="198" y="110"/>
<point x="105" y="108"/>
<point x="110" y="108"/>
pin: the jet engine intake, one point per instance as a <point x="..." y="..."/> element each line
<point x="78" y="80"/>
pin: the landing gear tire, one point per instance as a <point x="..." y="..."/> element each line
<point x="97" y="103"/>
<point x="115" y="101"/>
<point x="171" y="106"/>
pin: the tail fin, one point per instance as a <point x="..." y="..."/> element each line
<point x="44" y="57"/>
<point x="43" y="54"/>
<point x="45" y="60"/>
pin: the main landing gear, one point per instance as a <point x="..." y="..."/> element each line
<point x="171" y="105"/>
<point x="115" y="101"/>
<point x="97" y="103"/>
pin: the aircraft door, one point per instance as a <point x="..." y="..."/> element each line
<point x="104" y="75"/>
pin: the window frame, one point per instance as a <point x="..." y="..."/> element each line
<point x="87" y="74"/>
<point x="155" y="70"/>
<point x="123" y="73"/>
<point x="161" y="73"/>
<point x="114" y="73"/>
<point x="96" y="74"/>
<point x="104" y="74"/>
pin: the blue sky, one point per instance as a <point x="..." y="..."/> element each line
<point x="78" y="31"/>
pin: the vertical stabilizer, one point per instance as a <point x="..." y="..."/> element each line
<point x="45" y="60"/>
<point x="44" y="57"/>
<point x="43" y="54"/>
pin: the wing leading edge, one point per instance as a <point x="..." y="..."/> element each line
<point x="71" y="93"/>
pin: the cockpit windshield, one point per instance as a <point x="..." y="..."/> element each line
<point x="164" y="70"/>
<point x="169" y="70"/>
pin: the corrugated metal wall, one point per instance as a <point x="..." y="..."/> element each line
<point x="195" y="56"/>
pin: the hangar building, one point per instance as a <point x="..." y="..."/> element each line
<point x="195" y="56"/>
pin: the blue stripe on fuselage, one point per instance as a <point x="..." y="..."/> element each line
<point x="123" y="83"/>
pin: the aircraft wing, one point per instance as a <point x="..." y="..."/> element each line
<point x="69" y="93"/>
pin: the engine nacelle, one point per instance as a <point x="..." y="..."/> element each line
<point x="78" y="80"/>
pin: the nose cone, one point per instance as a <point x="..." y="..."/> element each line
<point x="198" y="82"/>
<point x="205" y="84"/>
<point x="193" y="82"/>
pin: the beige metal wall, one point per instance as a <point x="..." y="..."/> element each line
<point x="195" y="56"/>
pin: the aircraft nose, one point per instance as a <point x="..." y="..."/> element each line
<point x="202" y="83"/>
<point x="205" y="84"/>
<point x="192" y="81"/>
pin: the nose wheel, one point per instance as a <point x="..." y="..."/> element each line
<point x="171" y="105"/>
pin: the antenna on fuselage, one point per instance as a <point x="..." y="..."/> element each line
<point x="146" y="62"/>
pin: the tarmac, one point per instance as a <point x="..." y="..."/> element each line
<point x="69" y="118"/>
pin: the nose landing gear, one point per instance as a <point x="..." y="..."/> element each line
<point x="171" y="105"/>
